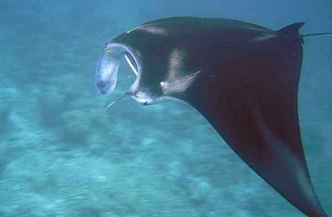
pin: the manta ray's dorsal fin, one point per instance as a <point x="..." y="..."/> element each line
<point x="292" y="29"/>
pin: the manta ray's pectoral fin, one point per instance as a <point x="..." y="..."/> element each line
<point x="266" y="136"/>
<point x="257" y="115"/>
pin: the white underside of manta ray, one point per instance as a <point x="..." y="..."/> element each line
<point x="243" y="78"/>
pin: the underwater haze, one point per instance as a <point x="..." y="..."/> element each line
<point x="62" y="154"/>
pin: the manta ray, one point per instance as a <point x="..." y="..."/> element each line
<point x="243" y="78"/>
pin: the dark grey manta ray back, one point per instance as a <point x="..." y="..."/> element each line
<point x="242" y="77"/>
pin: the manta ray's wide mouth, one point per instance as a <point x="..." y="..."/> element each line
<point x="106" y="75"/>
<point x="107" y="68"/>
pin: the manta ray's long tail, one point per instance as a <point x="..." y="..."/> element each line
<point x="315" y="34"/>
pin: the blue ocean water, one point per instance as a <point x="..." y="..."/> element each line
<point x="62" y="154"/>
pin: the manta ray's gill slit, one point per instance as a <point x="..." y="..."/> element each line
<point x="131" y="63"/>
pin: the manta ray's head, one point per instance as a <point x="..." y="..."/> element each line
<point x="158" y="76"/>
<point x="106" y="75"/>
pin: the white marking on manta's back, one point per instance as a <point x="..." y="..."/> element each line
<point x="264" y="37"/>
<point x="256" y="29"/>
<point x="150" y="29"/>
<point x="177" y="80"/>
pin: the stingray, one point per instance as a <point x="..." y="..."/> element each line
<point x="243" y="78"/>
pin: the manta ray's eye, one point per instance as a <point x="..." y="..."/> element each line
<point x="162" y="84"/>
